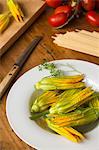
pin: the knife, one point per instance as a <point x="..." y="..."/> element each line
<point x="17" y="66"/>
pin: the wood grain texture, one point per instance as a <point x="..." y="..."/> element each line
<point x="45" y="50"/>
<point x="31" y="10"/>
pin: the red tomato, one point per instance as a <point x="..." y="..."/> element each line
<point x="64" y="9"/>
<point x="88" y="4"/>
<point x="93" y="18"/>
<point x="57" y="20"/>
<point x="54" y="3"/>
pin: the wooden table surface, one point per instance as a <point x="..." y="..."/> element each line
<point x="45" y="50"/>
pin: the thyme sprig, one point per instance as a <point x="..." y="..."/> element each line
<point x="54" y="71"/>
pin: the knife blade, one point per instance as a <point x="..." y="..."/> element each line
<point x="17" y="66"/>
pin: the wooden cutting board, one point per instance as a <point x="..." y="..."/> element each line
<point x="31" y="9"/>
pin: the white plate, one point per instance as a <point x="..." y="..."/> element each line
<point x="17" y="110"/>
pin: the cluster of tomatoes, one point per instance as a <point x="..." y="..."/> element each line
<point x="64" y="9"/>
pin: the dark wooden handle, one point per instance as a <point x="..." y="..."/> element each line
<point x="8" y="79"/>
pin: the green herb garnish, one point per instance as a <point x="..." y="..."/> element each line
<point x="54" y="71"/>
<point x="52" y="68"/>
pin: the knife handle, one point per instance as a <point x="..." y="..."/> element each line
<point x="8" y="79"/>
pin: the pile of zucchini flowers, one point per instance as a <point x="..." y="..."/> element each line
<point x="66" y="103"/>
